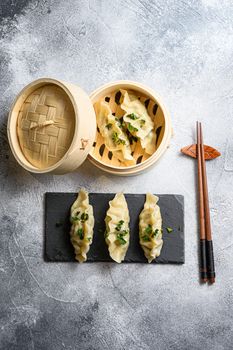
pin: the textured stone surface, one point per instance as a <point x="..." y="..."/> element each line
<point x="182" y="49"/>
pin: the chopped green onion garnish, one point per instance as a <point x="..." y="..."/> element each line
<point x="84" y="217"/>
<point x="116" y="139"/>
<point x="74" y="218"/>
<point x="115" y="136"/>
<point x="132" y="116"/>
<point x="155" y="233"/>
<point x="131" y="128"/>
<point x="118" y="226"/>
<point x="146" y="238"/>
<point x="120" y="239"/>
<point x="108" y="126"/>
<point x="148" y="229"/>
<point x="80" y="233"/>
<point x="169" y="229"/>
<point x="142" y="122"/>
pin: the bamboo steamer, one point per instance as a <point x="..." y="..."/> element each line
<point x="99" y="154"/>
<point x="69" y="147"/>
<point x="52" y="127"/>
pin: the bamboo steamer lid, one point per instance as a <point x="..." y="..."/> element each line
<point x="51" y="126"/>
<point x="45" y="126"/>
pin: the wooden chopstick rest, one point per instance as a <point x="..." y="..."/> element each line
<point x="191" y="151"/>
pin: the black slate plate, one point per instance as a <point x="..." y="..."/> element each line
<point x="57" y="227"/>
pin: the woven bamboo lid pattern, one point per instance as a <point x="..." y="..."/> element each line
<point x="45" y="127"/>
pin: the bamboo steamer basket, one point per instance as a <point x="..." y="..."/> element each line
<point x="99" y="154"/>
<point x="52" y="127"/>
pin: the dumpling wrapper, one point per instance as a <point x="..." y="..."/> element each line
<point x="150" y="228"/>
<point x="109" y="126"/>
<point x="138" y="121"/>
<point x="149" y="143"/>
<point x="117" y="228"/>
<point x="82" y="219"/>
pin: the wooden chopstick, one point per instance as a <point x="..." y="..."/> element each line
<point x="203" y="260"/>
<point x="208" y="234"/>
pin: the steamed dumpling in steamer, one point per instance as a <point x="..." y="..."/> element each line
<point x="138" y="121"/>
<point x="114" y="136"/>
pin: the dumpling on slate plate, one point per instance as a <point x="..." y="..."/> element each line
<point x="82" y="220"/>
<point x="117" y="228"/>
<point x="150" y="228"/>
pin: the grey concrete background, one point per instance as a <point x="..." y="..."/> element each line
<point x="182" y="49"/>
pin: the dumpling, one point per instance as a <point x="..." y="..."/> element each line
<point x="138" y="121"/>
<point x="114" y="136"/>
<point x="82" y="220"/>
<point x="150" y="228"/>
<point x="117" y="228"/>
<point x="149" y="142"/>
